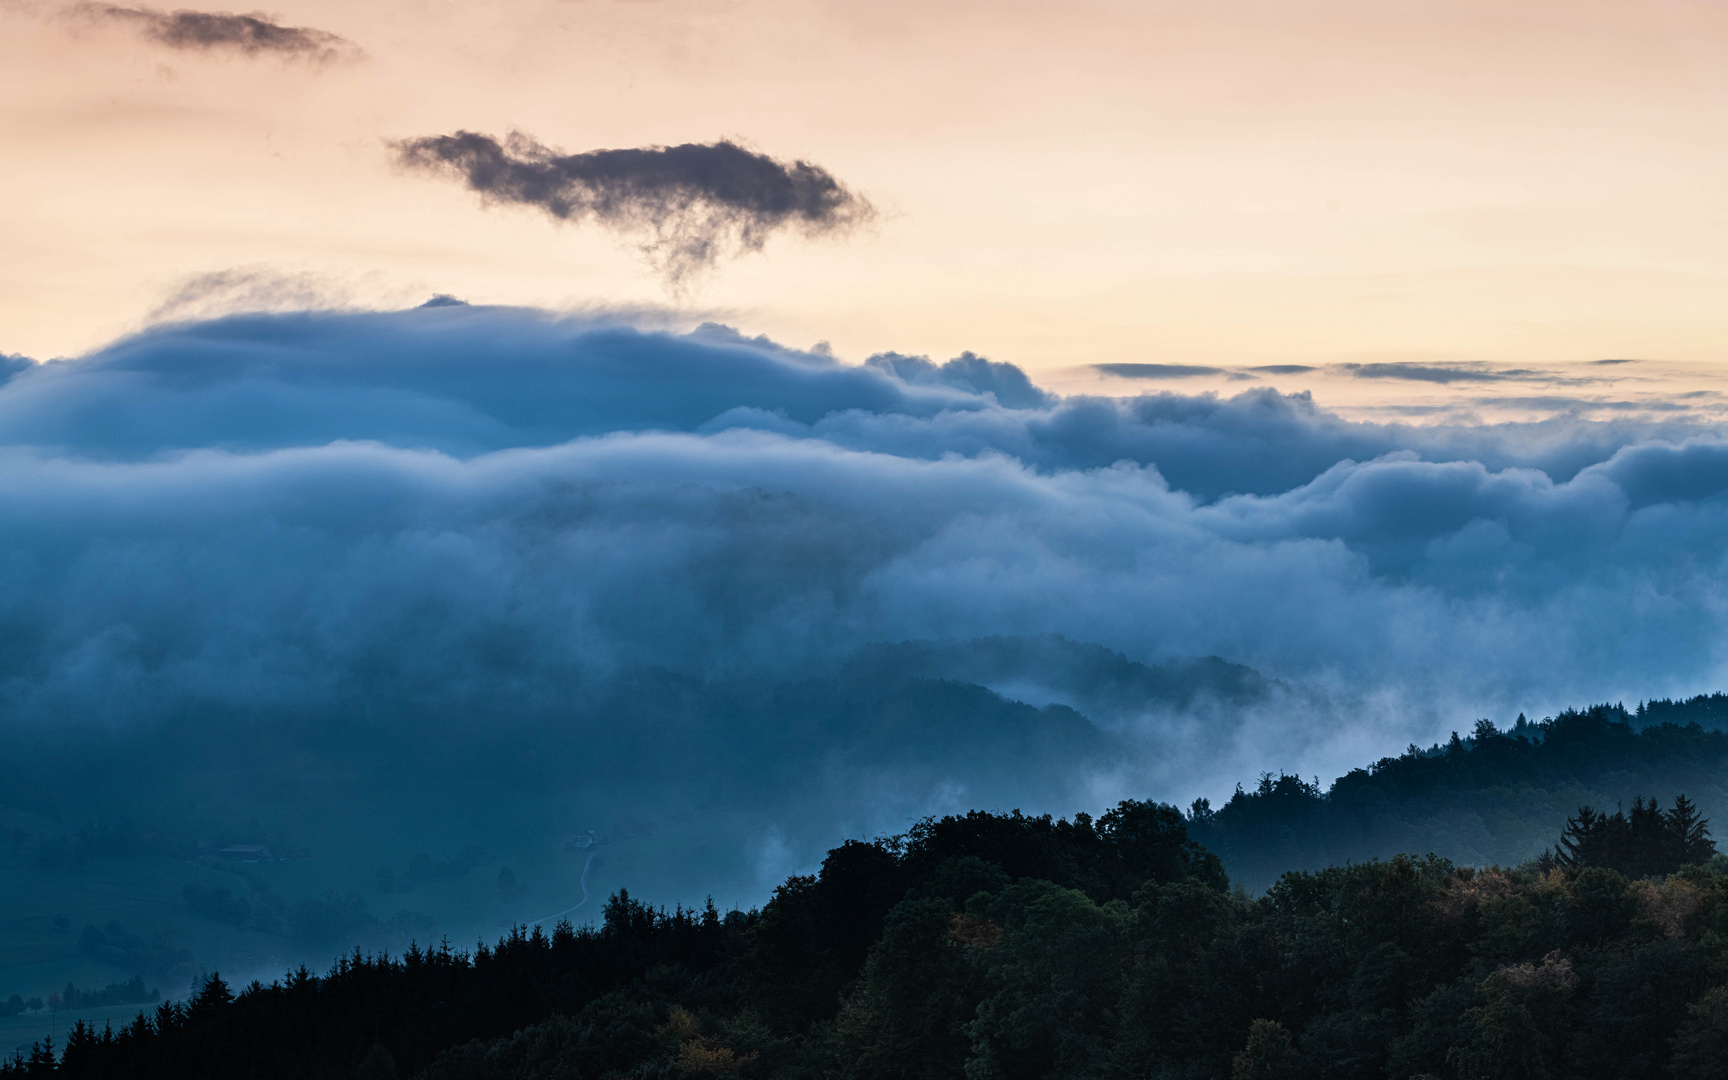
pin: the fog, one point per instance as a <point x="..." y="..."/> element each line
<point x="456" y="575"/>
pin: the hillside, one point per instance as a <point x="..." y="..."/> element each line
<point x="1491" y="798"/>
<point x="1005" y="946"/>
<point x="94" y="904"/>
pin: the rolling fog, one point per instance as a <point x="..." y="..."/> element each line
<point x="390" y="582"/>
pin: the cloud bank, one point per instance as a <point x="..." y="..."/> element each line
<point x="925" y="500"/>
<point x="1443" y="374"/>
<point x="694" y="203"/>
<point x="455" y="524"/>
<point x="252" y="34"/>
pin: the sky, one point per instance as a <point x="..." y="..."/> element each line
<point x="412" y="384"/>
<point x="1231" y="186"/>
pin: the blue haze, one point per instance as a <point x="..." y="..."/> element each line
<point x="408" y="544"/>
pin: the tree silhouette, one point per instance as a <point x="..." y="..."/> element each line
<point x="1030" y="948"/>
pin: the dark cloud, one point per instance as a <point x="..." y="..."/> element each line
<point x="1625" y="361"/>
<point x="1284" y="369"/>
<point x="1436" y="373"/>
<point x="251" y="34"/>
<point x="570" y="569"/>
<point x="694" y="203"/>
<point x="1461" y="373"/>
<point x="1156" y="371"/>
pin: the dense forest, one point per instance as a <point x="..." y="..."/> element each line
<point x="1706" y="710"/>
<point x="1491" y="796"/>
<point x="1009" y="946"/>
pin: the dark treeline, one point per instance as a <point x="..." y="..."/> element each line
<point x="1007" y="947"/>
<point x="1491" y="797"/>
<point x="1645" y="843"/>
<point x="131" y="992"/>
<point x="1708" y="711"/>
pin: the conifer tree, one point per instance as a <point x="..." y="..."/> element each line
<point x="1690" y="834"/>
<point x="1580" y="839"/>
<point x="212" y="996"/>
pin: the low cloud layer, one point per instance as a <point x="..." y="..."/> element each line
<point x="1441" y="374"/>
<point x="253" y="34"/>
<point x="1446" y="374"/>
<point x="631" y="549"/>
<point x="690" y="205"/>
<point x="1158" y="371"/>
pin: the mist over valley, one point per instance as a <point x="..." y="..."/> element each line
<point x="438" y="621"/>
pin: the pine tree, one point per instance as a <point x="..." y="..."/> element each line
<point x="1579" y="840"/>
<point x="1648" y="850"/>
<point x="212" y="996"/>
<point x="80" y="1044"/>
<point x="1688" y="832"/>
<point x="41" y="1060"/>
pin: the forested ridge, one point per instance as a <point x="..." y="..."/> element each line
<point x="1010" y="946"/>
<point x="1489" y="796"/>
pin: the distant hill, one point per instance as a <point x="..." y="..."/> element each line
<point x="1102" y="683"/>
<point x="110" y="848"/>
<point x="1708" y="711"/>
<point x="707" y="783"/>
<point x="1006" y="947"/>
<point x="1494" y="797"/>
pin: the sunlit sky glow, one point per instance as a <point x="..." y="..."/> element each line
<point x="1236" y="185"/>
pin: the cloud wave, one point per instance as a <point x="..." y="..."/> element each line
<point x="896" y="499"/>
<point x="460" y="519"/>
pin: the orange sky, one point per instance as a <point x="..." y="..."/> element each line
<point x="1235" y="184"/>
